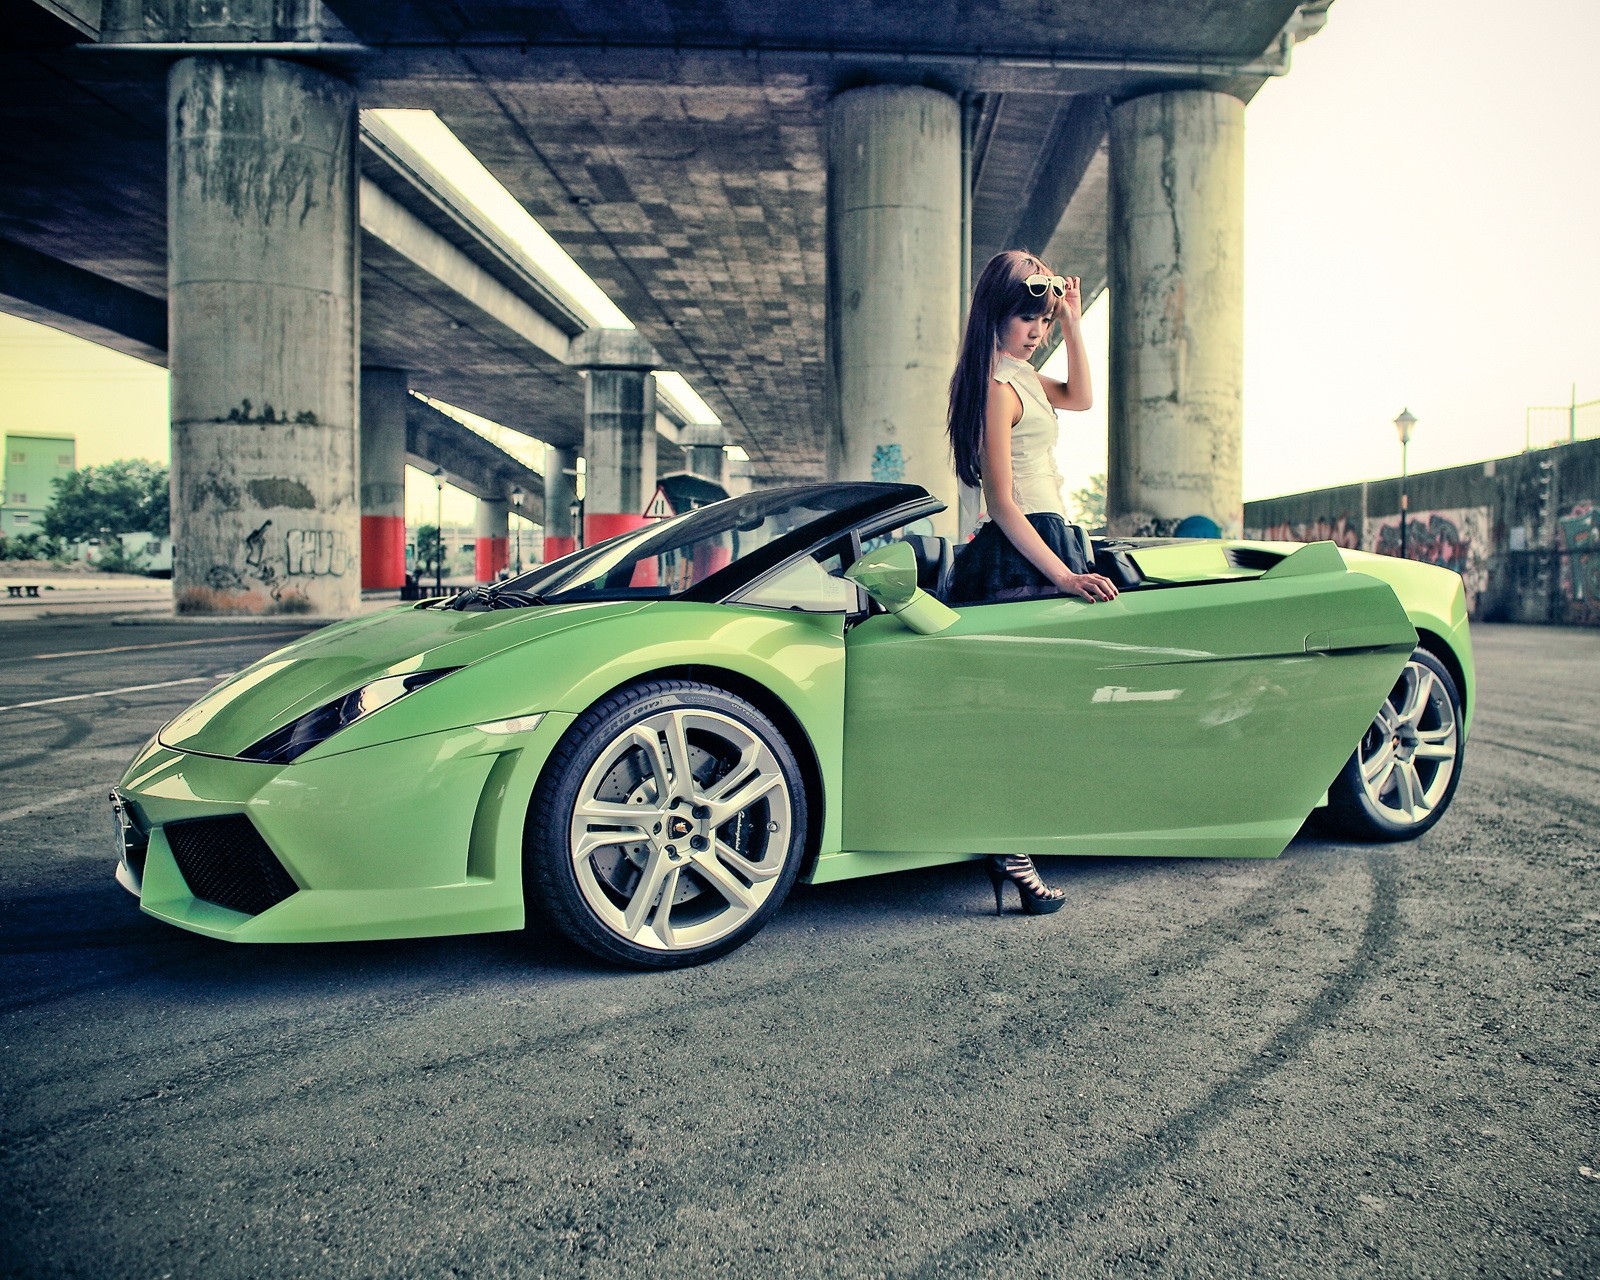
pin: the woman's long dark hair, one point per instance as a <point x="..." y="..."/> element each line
<point x="996" y="298"/>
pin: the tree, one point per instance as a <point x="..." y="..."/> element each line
<point x="1089" y="503"/>
<point x="29" y="546"/>
<point x="128" y="496"/>
<point x="429" y="550"/>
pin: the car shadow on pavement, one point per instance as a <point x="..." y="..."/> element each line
<point x="74" y="938"/>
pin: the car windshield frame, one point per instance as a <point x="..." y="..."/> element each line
<point x="841" y="506"/>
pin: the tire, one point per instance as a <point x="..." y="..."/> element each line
<point x="1402" y="776"/>
<point x="655" y="867"/>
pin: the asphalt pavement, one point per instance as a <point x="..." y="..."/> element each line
<point x="1350" y="1061"/>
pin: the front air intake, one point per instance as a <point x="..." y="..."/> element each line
<point x="225" y="861"/>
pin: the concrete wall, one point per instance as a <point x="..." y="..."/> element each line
<point x="1523" y="531"/>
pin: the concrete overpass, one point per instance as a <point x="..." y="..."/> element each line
<point x="785" y="203"/>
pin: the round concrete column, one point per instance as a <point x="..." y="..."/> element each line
<point x="560" y="492"/>
<point x="619" y="444"/>
<point x="1177" y="312"/>
<point x="384" y="397"/>
<point x="493" y="542"/>
<point x="894" y="285"/>
<point x="262" y="283"/>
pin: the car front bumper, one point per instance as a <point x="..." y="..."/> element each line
<point x="413" y="838"/>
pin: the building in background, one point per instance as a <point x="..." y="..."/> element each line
<point x="32" y="462"/>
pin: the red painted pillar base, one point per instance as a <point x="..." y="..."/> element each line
<point x="601" y="525"/>
<point x="557" y="546"/>
<point x="490" y="555"/>
<point x="383" y="553"/>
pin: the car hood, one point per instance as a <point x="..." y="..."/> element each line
<point x="330" y="663"/>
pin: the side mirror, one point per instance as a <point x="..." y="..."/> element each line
<point x="889" y="576"/>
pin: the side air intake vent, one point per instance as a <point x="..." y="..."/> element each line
<point x="225" y="861"/>
<point x="1253" y="558"/>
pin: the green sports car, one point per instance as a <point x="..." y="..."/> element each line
<point x="644" y="744"/>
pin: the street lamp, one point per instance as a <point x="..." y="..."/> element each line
<point x="1403" y="425"/>
<point x="516" y="501"/>
<point x="438" y="533"/>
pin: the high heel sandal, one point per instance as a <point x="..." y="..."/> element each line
<point x="1038" y="898"/>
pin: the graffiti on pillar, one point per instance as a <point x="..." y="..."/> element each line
<point x="1342" y="530"/>
<point x="1580" y="566"/>
<point x="1456" y="539"/>
<point x="888" y="463"/>
<point x="264" y="568"/>
<point x="316" y="553"/>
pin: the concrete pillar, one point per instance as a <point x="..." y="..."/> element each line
<point x="384" y="397"/>
<point x="493" y="542"/>
<point x="619" y="429"/>
<point x="1177" y="312"/>
<point x="702" y="450"/>
<point x="894" y="285"/>
<point x="263" y="291"/>
<point x="560" y="492"/>
<point x="619" y="442"/>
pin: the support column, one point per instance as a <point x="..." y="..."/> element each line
<point x="894" y="285"/>
<point x="619" y="429"/>
<point x="702" y="450"/>
<point x="384" y="397"/>
<point x="1177" y="312"/>
<point x="262" y="283"/>
<point x="492" y="545"/>
<point x="619" y="441"/>
<point x="560" y="492"/>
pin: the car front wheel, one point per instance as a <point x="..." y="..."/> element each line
<point x="668" y="826"/>
<point x="1401" y="778"/>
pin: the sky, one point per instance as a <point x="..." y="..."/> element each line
<point x="1421" y="196"/>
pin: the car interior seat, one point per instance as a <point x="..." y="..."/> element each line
<point x="934" y="562"/>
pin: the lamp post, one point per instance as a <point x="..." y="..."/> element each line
<point x="438" y="533"/>
<point x="516" y="501"/>
<point x="1403" y="425"/>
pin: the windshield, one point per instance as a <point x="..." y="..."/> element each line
<point x="674" y="556"/>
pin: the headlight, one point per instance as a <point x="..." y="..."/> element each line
<point x="299" y="736"/>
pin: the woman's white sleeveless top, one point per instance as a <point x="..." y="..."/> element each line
<point x="1035" y="478"/>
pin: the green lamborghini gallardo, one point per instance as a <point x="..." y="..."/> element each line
<point x="644" y="744"/>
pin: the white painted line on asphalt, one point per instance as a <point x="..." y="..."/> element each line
<point x="54" y="802"/>
<point x="166" y="644"/>
<point x="107" y="693"/>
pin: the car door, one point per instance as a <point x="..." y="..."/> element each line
<point x="1197" y="719"/>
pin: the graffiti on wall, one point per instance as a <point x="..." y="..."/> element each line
<point x="1341" y="530"/>
<point x="1457" y="540"/>
<point x="1580" y="567"/>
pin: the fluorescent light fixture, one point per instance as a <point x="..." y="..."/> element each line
<point x="527" y="450"/>
<point x="479" y="191"/>
<point x="691" y="408"/>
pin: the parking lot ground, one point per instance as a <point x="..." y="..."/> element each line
<point x="1349" y="1061"/>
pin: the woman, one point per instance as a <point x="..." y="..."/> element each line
<point x="1003" y="432"/>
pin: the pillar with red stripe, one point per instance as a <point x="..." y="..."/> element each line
<point x="619" y="435"/>
<point x="560" y="493"/>
<point x="384" y="397"/>
<point x="492" y="545"/>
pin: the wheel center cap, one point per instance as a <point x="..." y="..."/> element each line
<point x="679" y="827"/>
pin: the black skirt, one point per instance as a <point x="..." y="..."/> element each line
<point x="989" y="569"/>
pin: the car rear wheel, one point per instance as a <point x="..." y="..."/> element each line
<point x="668" y="826"/>
<point x="1401" y="778"/>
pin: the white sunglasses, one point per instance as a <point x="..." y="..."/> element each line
<point x="1039" y="284"/>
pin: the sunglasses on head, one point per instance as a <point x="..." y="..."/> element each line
<point x="1039" y="285"/>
